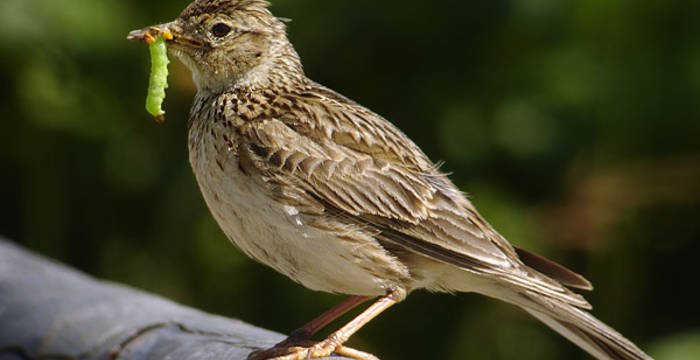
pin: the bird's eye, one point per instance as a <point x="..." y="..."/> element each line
<point x="220" y="30"/>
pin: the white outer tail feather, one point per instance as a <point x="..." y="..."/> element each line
<point x="579" y="327"/>
<point x="573" y="337"/>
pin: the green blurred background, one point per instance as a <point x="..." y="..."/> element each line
<point x="574" y="125"/>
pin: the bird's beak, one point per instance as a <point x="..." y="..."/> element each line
<point x="172" y="32"/>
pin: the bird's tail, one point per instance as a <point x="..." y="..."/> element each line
<point x="580" y="327"/>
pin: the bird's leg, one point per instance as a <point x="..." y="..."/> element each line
<point x="334" y="342"/>
<point x="313" y="326"/>
<point x="300" y="337"/>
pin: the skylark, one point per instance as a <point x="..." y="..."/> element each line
<point x="336" y="198"/>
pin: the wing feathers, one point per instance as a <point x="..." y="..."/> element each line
<point x="361" y="167"/>
<point x="554" y="270"/>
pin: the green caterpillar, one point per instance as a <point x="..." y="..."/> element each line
<point x="159" y="78"/>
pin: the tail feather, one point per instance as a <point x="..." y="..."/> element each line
<point x="581" y="328"/>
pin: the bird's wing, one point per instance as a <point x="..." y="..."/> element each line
<point x="356" y="165"/>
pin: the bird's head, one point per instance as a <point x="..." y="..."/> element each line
<point x="229" y="43"/>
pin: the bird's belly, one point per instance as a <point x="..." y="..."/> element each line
<point x="277" y="236"/>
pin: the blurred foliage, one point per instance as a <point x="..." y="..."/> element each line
<point x="575" y="125"/>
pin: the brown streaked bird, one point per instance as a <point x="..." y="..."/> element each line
<point x="336" y="198"/>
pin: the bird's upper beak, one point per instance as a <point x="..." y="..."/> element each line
<point x="172" y="32"/>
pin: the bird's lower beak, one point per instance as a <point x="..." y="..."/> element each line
<point x="171" y="32"/>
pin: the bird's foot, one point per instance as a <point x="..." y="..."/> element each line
<point x="299" y="349"/>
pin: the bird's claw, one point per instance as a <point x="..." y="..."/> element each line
<point x="286" y="350"/>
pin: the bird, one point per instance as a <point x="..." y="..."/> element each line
<point x="337" y="198"/>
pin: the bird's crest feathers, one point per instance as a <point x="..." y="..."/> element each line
<point x="257" y="8"/>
